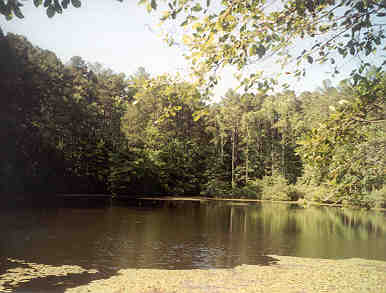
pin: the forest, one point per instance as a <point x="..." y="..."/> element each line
<point x="82" y="128"/>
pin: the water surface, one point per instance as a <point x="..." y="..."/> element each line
<point x="185" y="235"/>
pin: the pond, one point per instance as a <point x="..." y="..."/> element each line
<point x="185" y="235"/>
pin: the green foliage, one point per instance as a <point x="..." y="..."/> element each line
<point x="179" y="167"/>
<point x="160" y="120"/>
<point x="219" y="188"/>
<point x="216" y="188"/>
<point x="10" y="8"/>
<point x="315" y="193"/>
<point x="105" y="132"/>
<point x="338" y="151"/>
<point x="241" y="34"/>
<point x="25" y="154"/>
<point x="251" y="190"/>
<point x="130" y="173"/>
<point x="376" y="198"/>
<point x="276" y="187"/>
<point x="60" y="115"/>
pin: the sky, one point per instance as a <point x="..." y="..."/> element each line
<point x="122" y="37"/>
<point x="112" y="33"/>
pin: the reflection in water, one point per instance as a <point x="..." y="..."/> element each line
<point x="185" y="235"/>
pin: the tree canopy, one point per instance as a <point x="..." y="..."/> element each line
<point x="10" y="8"/>
<point x="292" y="33"/>
<point x="139" y="134"/>
<point x="245" y="33"/>
<point x="106" y="132"/>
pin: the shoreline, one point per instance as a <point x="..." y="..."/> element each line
<point x="288" y="274"/>
<point x="247" y="200"/>
<point x="26" y="197"/>
<point x="283" y="274"/>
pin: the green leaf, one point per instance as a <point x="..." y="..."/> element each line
<point x="47" y="3"/>
<point x="347" y="12"/>
<point x="65" y="3"/>
<point x="260" y="51"/>
<point x="76" y="3"/>
<point x="50" y="12"/>
<point x="153" y="4"/>
<point x="37" y="3"/>
<point x="197" y="8"/>
<point x="18" y="13"/>
<point x="276" y="37"/>
<point x="57" y="7"/>
<point x="252" y="50"/>
<point x="148" y="8"/>
<point x="196" y="118"/>
<point x="3" y="8"/>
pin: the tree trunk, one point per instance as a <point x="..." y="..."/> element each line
<point x="233" y="157"/>
<point x="283" y="167"/>
<point x="272" y="149"/>
<point x="247" y="157"/>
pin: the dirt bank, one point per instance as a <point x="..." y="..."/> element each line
<point x="289" y="274"/>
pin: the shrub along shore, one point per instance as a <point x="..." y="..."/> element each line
<point x="301" y="202"/>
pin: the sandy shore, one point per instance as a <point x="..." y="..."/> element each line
<point x="290" y="274"/>
<point x="287" y="274"/>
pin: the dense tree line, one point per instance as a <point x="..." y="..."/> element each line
<point x="79" y="127"/>
<point x="53" y="117"/>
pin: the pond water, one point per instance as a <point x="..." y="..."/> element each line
<point x="185" y="235"/>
